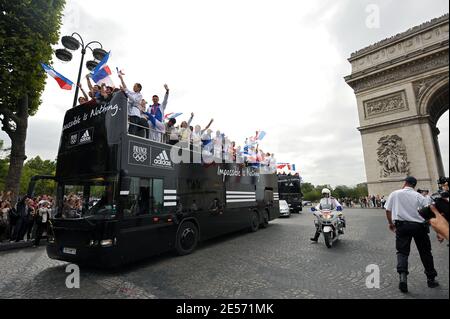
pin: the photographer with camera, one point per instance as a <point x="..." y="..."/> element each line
<point x="437" y="212"/>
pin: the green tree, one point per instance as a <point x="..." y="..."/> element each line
<point x="28" y="28"/>
<point x="342" y="191"/>
<point x="361" y="190"/>
<point x="313" y="195"/>
<point x="307" y="187"/>
<point x="37" y="166"/>
<point x="320" y="187"/>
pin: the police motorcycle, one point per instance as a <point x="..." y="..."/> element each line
<point x="330" y="223"/>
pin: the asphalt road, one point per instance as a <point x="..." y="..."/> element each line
<point x="277" y="262"/>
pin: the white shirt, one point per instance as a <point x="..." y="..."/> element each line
<point x="328" y="203"/>
<point x="197" y="137"/>
<point x="404" y="205"/>
<point x="134" y="99"/>
<point x="429" y="199"/>
<point x="174" y="133"/>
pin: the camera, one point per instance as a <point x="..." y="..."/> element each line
<point x="443" y="187"/>
<point x="440" y="201"/>
<point x="426" y="213"/>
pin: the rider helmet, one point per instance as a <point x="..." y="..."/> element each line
<point x="326" y="191"/>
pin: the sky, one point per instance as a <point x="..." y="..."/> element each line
<point x="276" y="66"/>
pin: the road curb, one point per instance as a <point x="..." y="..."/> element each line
<point x="10" y="246"/>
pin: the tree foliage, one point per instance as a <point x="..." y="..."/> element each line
<point x="34" y="166"/>
<point x="28" y="28"/>
<point x="314" y="193"/>
<point x="37" y="166"/>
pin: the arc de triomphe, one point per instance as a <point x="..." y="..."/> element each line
<point x="401" y="87"/>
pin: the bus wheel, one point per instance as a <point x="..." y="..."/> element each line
<point x="265" y="222"/>
<point x="254" y="222"/>
<point x="187" y="238"/>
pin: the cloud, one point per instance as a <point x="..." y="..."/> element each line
<point x="250" y="65"/>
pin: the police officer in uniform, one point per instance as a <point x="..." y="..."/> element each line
<point x="404" y="220"/>
<point x="328" y="202"/>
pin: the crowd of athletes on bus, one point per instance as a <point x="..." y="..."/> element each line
<point x="150" y="121"/>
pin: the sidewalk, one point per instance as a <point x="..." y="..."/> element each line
<point x="6" y="245"/>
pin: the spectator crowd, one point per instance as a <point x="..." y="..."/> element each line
<point x="371" y="201"/>
<point x="27" y="220"/>
<point x="374" y="201"/>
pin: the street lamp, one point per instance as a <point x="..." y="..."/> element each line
<point x="71" y="43"/>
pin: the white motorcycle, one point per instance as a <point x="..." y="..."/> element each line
<point x="330" y="223"/>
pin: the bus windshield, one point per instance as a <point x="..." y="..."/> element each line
<point x="78" y="199"/>
<point x="290" y="187"/>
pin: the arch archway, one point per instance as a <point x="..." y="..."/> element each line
<point x="443" y="126"/>
<point x="435" y="104"/>
<point x="401" y="86"/>
<point x="435" y="100"/>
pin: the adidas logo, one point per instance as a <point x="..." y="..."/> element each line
<point x="85" y="138"/>
<point x="162" y="159"/>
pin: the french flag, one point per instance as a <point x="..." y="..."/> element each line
<point x="260" y="135"/>
<point x="102" y="75"/>
<point x="102" y="72"/>
<point x="63" y="82"/>
<point x="283" y="165"/>
<point x="172" y="115"/>
<point x="102" y="63"/>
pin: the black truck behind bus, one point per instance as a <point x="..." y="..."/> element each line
<point x="289" y="188"/>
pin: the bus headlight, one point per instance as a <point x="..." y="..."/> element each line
<point x="106" y="243"/>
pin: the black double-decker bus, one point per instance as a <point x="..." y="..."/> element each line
<point x="121" y="198"/>
<point x="289" y="188"/>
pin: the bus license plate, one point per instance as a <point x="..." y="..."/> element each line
<point x="70" y="251"/>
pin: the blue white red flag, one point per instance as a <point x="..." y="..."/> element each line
<point x="260" y="135"/>
<point x="102" y="63"/>
<point x="283" y="165"/>
<point x="172" y="115"/>
<point x="63" y="82"/>
<point x="101" y="74"/>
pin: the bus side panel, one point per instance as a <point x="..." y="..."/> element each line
<point x="201" y="195"/>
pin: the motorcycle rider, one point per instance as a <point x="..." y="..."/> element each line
<point x="331" y="203"/>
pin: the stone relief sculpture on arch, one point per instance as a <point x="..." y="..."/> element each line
<point x="392" y="156"/>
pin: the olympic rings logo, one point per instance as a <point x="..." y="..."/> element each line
<point x="140" y="157"/>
